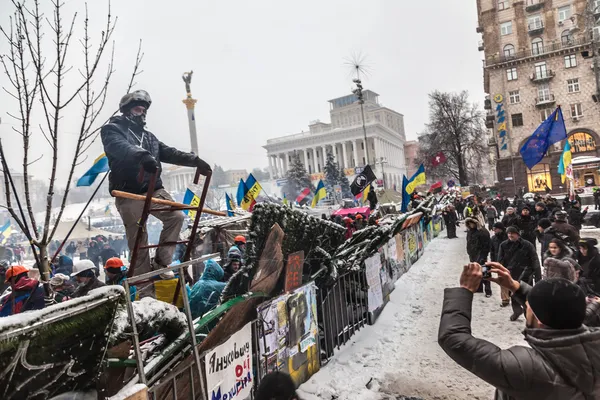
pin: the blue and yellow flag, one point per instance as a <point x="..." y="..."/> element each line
<point x="417" y="179"/>
<point x="320" y="193"/>
<point x="107" y="210"/>
<point x="285" y="200"/>
<point x="552" y="130"/>
<point x="100" y="166"/>
<point x="241" y="191"/>
<point x="230" y="206"/>
<point x="190" y="198"/>
<point x="253" y="189"/>
<point x="405" y="196"/>
<point x="5" y="232"/>
<point x="365" y="194"/>
<point x="565" y="169"/>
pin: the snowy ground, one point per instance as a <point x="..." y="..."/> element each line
<point x="400" y="354"/>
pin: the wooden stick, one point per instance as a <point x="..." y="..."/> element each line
<point x="131" y="196"/>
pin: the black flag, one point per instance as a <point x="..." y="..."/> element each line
<point x="362" y="180"/>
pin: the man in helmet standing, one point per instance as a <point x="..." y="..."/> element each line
<point x="129" y="148"/>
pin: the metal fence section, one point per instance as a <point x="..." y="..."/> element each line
<point x="343" y="311"/>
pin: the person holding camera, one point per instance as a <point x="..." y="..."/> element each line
<point x="520" y="257"/>
<point x="562" y="361"/>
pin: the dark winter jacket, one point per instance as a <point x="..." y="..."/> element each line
<point x="576" y="217"/>
<point x="521" y="259"/>
<point x="27" y="295"/>
<point x="566" y="229"/>
<point x="83" y="290"/>
<point x="559" y="365"/>
<point x="544" y="213"/>
<point x="63" y="266"/>
<point x="590" y="265"/>
<point x="526" y="226"/>
<point x="121" y="140"/>
<point x="105" y="254"/>
<point x="207" y="291"/>
<point x="509" y="220"/>
<point x="549" y="234"/>
<point x="496" y="241"/>
<point x="478" y="242"/>
<point x="491" y="212"/>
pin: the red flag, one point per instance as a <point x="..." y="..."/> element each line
<point x="436" y="187"/>
<point x="302" y="195"/>
<point x="438" y="159"/>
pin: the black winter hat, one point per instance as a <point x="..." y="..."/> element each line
<point x="499" y="225"/>
<point x="512" y="229"/>
<point x="526" y="208"/>
<point x="540" y="204"/>
<point x="558" y="303"/>
<point x="544" y="223"/>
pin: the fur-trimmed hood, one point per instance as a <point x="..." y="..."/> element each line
<point x="475" y="221"/>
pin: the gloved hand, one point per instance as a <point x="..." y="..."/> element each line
<point x="149" y="163"/>
<point x="203" y="166"/>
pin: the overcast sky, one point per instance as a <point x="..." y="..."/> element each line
<point x="265" y="68"/>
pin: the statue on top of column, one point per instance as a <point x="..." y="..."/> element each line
<point x="187" y="78"/>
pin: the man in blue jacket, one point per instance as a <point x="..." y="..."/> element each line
<point x="134" y="155"/>
<point x="207" y="291"/>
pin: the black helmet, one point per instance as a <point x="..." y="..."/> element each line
<point x="139" y="97"/>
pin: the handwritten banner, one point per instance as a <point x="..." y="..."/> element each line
<point x="293" y="275"/>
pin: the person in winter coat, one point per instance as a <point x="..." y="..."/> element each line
<point x="478" y="247"/>
<point x="234" y="263"/>
<point x="93" y="254"/>
<point x="134" y="152"/>
<point x="206" y="292"/>
<point x="576" y="216"/>
<point x="541" y="211"/>
<point x="559" y="262"/>
<point x="509" y="217"/>
<point x="116" y="273"/>
<point x="596" y="198"/>
<point x="561" y="361"/>
<point x="546" y="232"/>
<point x="26" y="294"/>
<point x="521" y="259"/>
<point x="84" y="272"/>
<point x="451" y="219"/>
<point x="526" y="225"/>
<point x="498" y="238"/>
<point x="62" y="287"/>
<point x="561" y="225"/>
<point x="107" y="253"/>
<point x="492" y="215"/>
<point x="589" y="259"/>
<point x="276" y="385"/>
<point x="64" y="265"/>
<point x="349" y="228"/>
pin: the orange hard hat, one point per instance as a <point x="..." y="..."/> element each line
<point x="15" y="270"/>
<point x="113" y="262"/>
<point x="240" y="238"/>
<point x="359" y="216"/>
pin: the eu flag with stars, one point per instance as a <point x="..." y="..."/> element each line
<point x="552" y="130"/>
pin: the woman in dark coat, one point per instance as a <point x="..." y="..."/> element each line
<point x="451" y="220"/>
<point x="589" y="259"/>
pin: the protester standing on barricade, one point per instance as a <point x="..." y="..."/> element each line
<point x="520" y="257"/>
<point x="129" y="147"/>
<point x="562" y="361"/>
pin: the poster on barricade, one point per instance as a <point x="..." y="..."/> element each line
<point x="228" y="367"/>
<point x="430" y="231"/>
<point x="288" y="341"/>
<point x="411" y="244"/>
<point x="420" y="246"/>
<point x="375" y="294"/>
<point x="437" y="225"/>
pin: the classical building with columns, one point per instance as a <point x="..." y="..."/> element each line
<point x="344" y="137"/>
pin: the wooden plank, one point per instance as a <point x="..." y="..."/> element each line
<point x="180" y="206"/>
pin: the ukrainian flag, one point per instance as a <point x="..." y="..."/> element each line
<point x="190" y="198"/>
<point x="100" y="166"/>
<point x="417" y="179"/>
<point x="253" y="188"/>
<point x="565" y="162"/>
<point x="285" y="200"/>
<point x="320" y="193"/>
<point x="230" y="207"/>
<point x="365" y="194"/>
<point x="241" y="191"/>
<point x="5" y="232"/>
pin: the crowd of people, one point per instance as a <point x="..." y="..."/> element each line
<point x="557" y="290"/>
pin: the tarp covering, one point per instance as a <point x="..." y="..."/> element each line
<point x="347" y="211"/>
<point x="80" y="232"/>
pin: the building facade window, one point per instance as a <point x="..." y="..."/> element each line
<point x="564" y="13"/>
<point x="581" y="142"/>
<point x="566" y="38"/>
<point x="539" y="178"/>
<point x="514" y="97"/>
<point x="506" y="28"/>
<point x="517" y="120"/>
<point x="537" y="46"/>
<point x="511" y="74"/>
<point x="503" y="5"/>
<point x="541" y="71"/>
<point x="509" y="50"/>
<point x="543" y="92"/>
<point x="535" y="22"/>
<point x="570" y="61"/>
<point x="573" y="85"/>
<point x="545" y="113"/>
<point x="576" y="110"/>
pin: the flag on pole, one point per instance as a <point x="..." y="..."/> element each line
<point x="253" y="188"/>
<point x="285" y="200"/>
<point x="241" y="191"/>
<point x="405" y="196"/>
<point x="436" y="187"/>
<point x="302" y="196"/>
<point x="365" y="193"/>
<point x="438" y="159"/>
<point x="191" y="199"/>
<point x="230" y="206"/>
<point x="550" y="131"/>
<point x="320" y="193"/>
<point x="100" y="165"/>
<point x="5" y="232"/>
<point x="362" y="180"/>
<point x="417" y="179"/>
<point x="565" y="167"/>
<point x="107" y="210"/>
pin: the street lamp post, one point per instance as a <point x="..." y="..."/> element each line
<point x="359" y="93"/>
<point x="382" y="161"/>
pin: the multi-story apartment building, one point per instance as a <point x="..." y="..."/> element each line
<point x="539" y="54"/>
